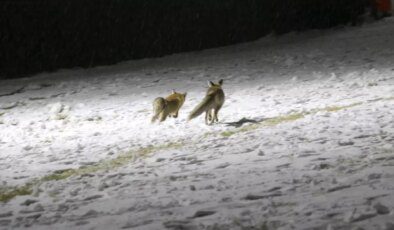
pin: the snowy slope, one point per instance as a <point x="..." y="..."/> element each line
<point x="323" y="161"/>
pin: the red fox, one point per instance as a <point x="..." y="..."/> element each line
<point x="169" y="106"/>
<point x="211" y="104"/>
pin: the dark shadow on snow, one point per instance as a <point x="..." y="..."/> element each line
<point x="242" y="121"/>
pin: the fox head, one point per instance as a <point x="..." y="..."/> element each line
<point x="218" y="85"/>
<point x="213" y="88"/>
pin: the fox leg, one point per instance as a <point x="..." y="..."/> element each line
<point x="208" y="117"/>
<point x="155" y="116"/>
<point x="213" y="115"/>
<point x="163" y="116"/>
<point x="216" y="111"/>
<point x="175" y="115"/>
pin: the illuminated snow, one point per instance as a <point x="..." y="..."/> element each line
<point x="332" y="168"/>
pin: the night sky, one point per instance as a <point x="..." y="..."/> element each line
<point x="45" y="35"/>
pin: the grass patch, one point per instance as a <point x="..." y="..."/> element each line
<point x="286" y="118"/>
<point x="8" y="193"/>
<point x="338" y="108"/>
<point x="109" y="164"/>
<point x="243" y="129"/>
<point x="268" y="122"/>
<point x="59" y="175"/>
<point x="228" y="133"/>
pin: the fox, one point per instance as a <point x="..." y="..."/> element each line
<point x="169" y="106"/>
<point x="211" y="104"/>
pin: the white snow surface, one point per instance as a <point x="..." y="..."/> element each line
<point x="327" y="170"/>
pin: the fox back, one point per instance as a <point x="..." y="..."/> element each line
<point x="175" y="101"/>
<point x="216" y="91"/>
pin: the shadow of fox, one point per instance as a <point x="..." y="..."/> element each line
<point x="243" y="121"/>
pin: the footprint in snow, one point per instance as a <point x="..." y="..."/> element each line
<point x="5" y="222"/>
<point x="223" y="165"/>
<point x="179" y="224"/>
<point x="345" y="142"/>
<point x="203" y="213"/>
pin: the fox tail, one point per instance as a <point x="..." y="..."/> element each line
<point x="202" y="107"/>
<point x="159" y="105"/>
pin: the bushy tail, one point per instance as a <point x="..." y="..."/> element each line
<point x="202" y="107"/>
<point x="158" y="106"/>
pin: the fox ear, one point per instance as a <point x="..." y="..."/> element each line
<point x="221" y="82"/>
<point x="173" y="91"/>
<point x="210" y="83"/>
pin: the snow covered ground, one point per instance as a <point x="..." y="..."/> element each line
<point x="305" y="139"/>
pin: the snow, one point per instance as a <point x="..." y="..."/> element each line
<point x="330" y="166"/>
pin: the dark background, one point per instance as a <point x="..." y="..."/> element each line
<point x="45" y="35"/>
